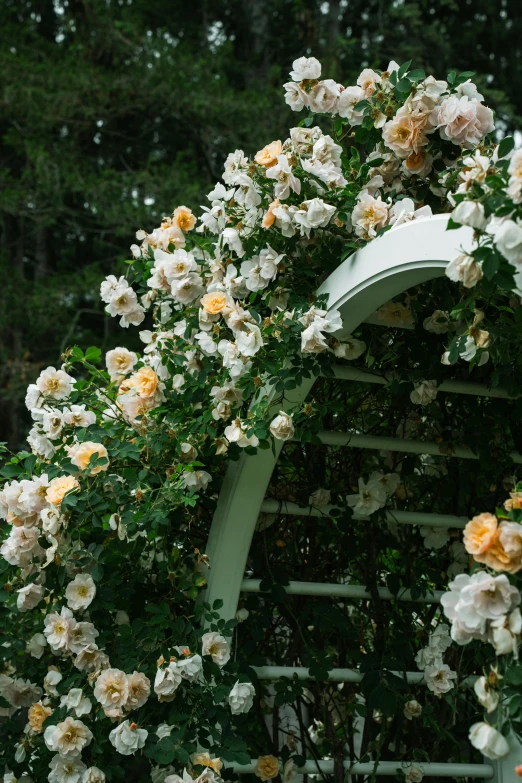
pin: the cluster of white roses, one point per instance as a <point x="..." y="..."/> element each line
<point x="438" y="675"/>
<point x="485" y="607"/>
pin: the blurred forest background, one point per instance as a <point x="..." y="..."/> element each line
<point x="116" y="111"/>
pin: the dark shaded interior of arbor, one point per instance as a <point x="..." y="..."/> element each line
<point x="380" y="637"/>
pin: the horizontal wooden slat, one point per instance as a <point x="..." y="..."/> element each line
<point x="452" y="387"/>
<point x="387" y="768"/>
<point x="342" y="591"/>
<point x="273" y="506"/>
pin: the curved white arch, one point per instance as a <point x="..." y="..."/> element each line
<point x="402" y="258"/>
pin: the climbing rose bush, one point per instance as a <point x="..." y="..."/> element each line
<point x="116" y="670"/>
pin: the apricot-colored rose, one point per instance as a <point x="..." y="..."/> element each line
<point x="58" y="487"/>
<point x="184" y="219"/>
<point x="214" y="303"/>
<point x="145" y="381"/>
<point x="267" y="767"/>
<point x="514" y="501"/>
<point x="269" y="217"/>
<point x="37" y="715"/>
<point x="204" y="760"/>
<point x="479" y="534"/>
<point x="80" y="455"/>
<point x="267" y="157"/>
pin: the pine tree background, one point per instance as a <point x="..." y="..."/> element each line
<point x="116" y="111"/>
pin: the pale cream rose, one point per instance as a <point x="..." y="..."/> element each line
<point x="269" y="217"/>
<point x="139" y="690"/>
<point x="37" y="715"/>
<point x="479" y="534"/>
<point x="81" y="454"/>
<point x="120" y="361"/>
<point x="58" y="487"/>
<point x="183" y="219"/>
<point x="204" y="760"/>
<point x="214" y="303"/>
<point x="267" y="767"/>
<point x="112" y="688"/>
<point x="267" y="157"/>
<point x="145" y="381"/>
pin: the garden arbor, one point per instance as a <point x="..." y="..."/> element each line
<point x="408" y="256"/>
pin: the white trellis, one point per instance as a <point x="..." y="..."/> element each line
<point x="406" y="257"/>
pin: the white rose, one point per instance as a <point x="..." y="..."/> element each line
<point x="508" y="241"/>
<point x="55" y="383"/>
<point x="127" y="738"/>
<point x="489" y="741"/>
<point x="295" y="97"/>
<point x="434" y="537"/>
<point x="241" y="697"/>
<point x="319" y="498"/>
<point x="464" y="269"/>
<point x="470" y="213"/>
<point x="282" y="427"/>
<point x="120" y="361"/>
<point x="348" y="100"/>
<point x="29" y="597"/>
<point x="80" y="592"/>
<point x="424" y="392"/>
<point x="76" y="701"/>
<point x="305" y="68"/>
<point x="439" y="678"/>
<point x="413" y="774"/>
<point x="324" y="96"/>
<point x="488" y="697"/>
<point x="36" y="645"/>
<point x="93" y="775"/>
<point x="462" y="121"/>
<point x="437" y="322"/>
<point x="167" y="681"/>
<point x="112" y="688"/>
<point x="67" y="738"/>
<point x="68" y="769"/>
<point x="216" y="646"/>
<point x="412" y="709"/>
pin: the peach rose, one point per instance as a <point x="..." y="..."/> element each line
<point x="514" y="501"/>
<point x="145" y="381"/>
<point x="403" y="135"/>
<point x="269" y="217"/>
<point x="58" y="487"/>
<point x="214" y="303"/>
<point x="267" y="767"/>
<point x="267" y="157"/>
<point x="184" y="219"/>
<point x="81" y="454"/>
<point x="204" y="760"/>
<point x="479" y="534"/>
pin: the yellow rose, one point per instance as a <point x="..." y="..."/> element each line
<point x="81" y="454"/>
<point x="204" y="760"/>
<point x="267" y="157"/>
<point x="184" y="219"/>
<point x="58" y="487"/>
<point x="145" y="381"/>
<point x="267" y="767"/>
<point x="214" y="303"/>
<point x="37" y="715"/>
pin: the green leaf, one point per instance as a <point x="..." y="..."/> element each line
<point x="490" y="265"/>
<point x="451" y="77"/>
<point x="403" y="70"/>
<point x="403" y="85"/>
<point x="416" y="76"/>
<point x="514" y="674"/>
<point x="93" y="354"/>
<point x="506" y="146"/>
